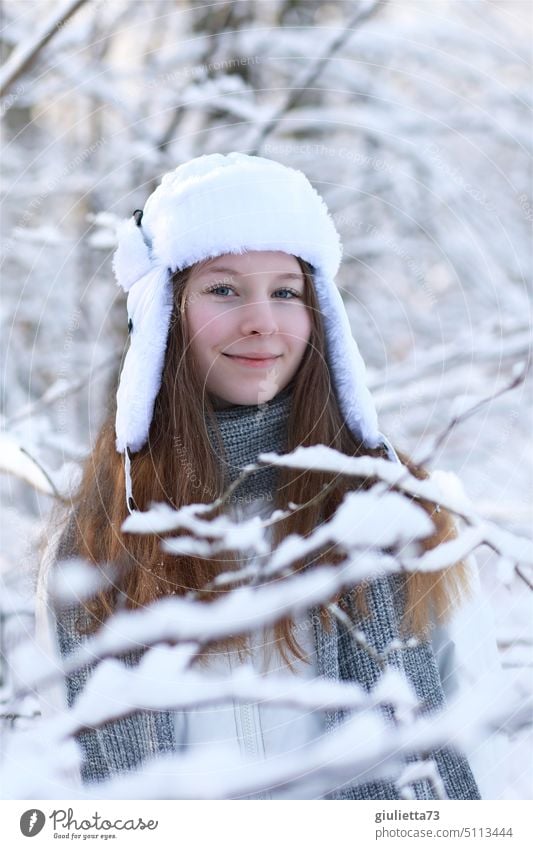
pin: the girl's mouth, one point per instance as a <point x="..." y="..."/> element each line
<point x="253" y="363"/>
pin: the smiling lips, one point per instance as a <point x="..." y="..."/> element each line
<point x="254" y="360"/>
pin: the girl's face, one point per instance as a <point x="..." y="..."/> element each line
<point x="248" y="324"/>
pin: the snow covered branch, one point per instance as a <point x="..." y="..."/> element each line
<point x="24" y="55"/>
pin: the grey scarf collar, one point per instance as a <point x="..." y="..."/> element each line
<point x="246" y="432"/>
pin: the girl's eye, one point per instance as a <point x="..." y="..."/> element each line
<point x="215" y="289"/>
<point x="292" y="292"/>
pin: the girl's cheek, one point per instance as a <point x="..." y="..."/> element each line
<point x="219" y="321"/>
<point x="204" y="319"/>
<point x="302" y="324"/>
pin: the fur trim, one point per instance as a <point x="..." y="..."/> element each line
<point x="228" y="204"/>
<point x="149" y="308"/>
<point x="132" y="258"/>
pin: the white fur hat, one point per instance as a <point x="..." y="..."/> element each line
<point x="219" y="204"/>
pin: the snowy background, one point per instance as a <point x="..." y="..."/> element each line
<point x="413" y="119"/>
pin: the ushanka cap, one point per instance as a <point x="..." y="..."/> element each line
<point x="228" y="204"/>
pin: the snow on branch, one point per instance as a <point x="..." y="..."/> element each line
<point x="363" y="12"/>
<point x="181" y="620"/>
<point x="25" y="54"/>
<point x="511" y="545"/>
<point x="378" y="529"/>
<point x="363" y="746"/>
<point x="17" y="460"/>
<point x="114" y="691"/>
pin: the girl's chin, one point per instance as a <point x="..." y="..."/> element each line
<point x="241" y="399"/>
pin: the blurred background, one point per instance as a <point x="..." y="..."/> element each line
<point x="412" y="119"/>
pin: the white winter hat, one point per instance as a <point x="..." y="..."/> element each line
<point x="218" y="204"/>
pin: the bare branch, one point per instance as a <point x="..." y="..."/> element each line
<point x="53" y="394"/>
<point x="363" y="13"/>
<point x="24" y="55"/>
<point x="524" y="578"/>
<point x="520" y="378"/>
<point x="41" y="468"/>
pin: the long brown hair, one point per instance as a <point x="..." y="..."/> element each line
<point x="178" y="468"/>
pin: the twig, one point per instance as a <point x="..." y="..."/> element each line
<point x="41" y="468"/>
<point x="390" y="487"/>
<point x="24" y="55"/>
<point x="456" y="420"/>
<point x="50" y="397"/>
<point x="311" y="75"/>
<point x="231" y="577"/>
<point x="524" y="577"/>
<point x="254" y="467"/>
<point x="515" y="345"/>
<point x="356" y="636"/>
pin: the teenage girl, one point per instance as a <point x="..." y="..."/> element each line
<point x="239" y="344"/>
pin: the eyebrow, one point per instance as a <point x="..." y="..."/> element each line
<point x="288" y="275"/>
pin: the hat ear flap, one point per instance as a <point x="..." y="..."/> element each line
<point x="132" y="259"/>
<point x="346" y="364"/>
<point x="150" y="308"/>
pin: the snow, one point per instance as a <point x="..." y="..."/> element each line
<point x="74" y="580"/>
<point x="15" y="460"/>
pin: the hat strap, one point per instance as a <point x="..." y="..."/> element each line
<point x="127" y="475"/>
<point x="391" y="453"/>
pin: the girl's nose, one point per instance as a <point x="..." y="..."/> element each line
<point x="257" y="316"/>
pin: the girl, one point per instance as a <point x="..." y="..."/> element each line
<point x="240" y="344"/>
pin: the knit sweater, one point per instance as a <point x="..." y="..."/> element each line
<point x="126" y="743"/>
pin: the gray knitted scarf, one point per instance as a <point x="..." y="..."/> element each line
<point x="125" y="743"/>
<point x="246" y="432"/>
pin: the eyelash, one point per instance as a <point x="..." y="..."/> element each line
<point x="296" y="294"/>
